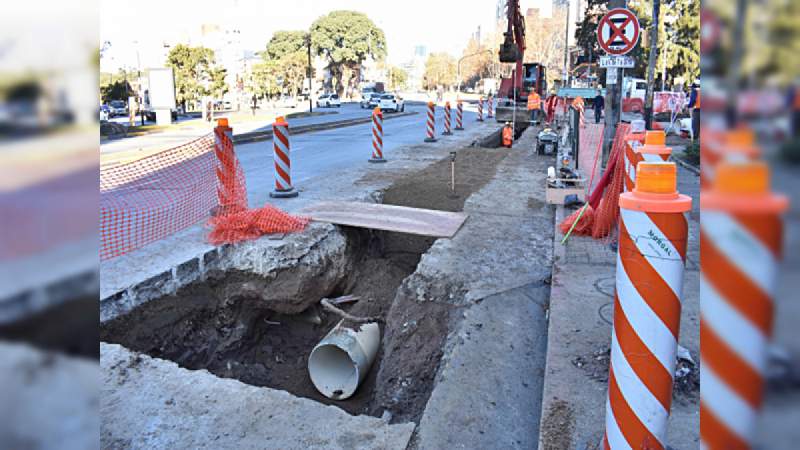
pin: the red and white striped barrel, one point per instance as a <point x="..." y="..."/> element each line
<point x="377" y="136"/>
<point x="740" y="240"/>
<point x="651" y="149"/>
<point x="447" y="131"/>
<point x="480" y="109"/>
<point x="459" y="115"/>
<point x="490" y="108"/>
<point x="430" y="124"/>
<point x="230" y="192"/>
<point x="282" y="157"/>
<point x="647" y="309"/>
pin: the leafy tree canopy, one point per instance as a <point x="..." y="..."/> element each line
<point x="283" y="43"/>
<point x="440" y="70"/>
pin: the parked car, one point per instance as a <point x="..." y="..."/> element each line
<point x="391" y="102"/>
<point x="118" y="108"/>
<point x="328" y="101"/>
<point x="370" y="100"/>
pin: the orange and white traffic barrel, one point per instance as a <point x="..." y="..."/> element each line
<point x="652" y="150"/>
<point x="282" y="156"/>
<point x="430" y="124"/>
<point x="480" y="109"/>
<point x="490" y="108"/>
<point x="651" y="257"/>
<point x="377" y="136"/>
<point x="741" y="234"/>
<point x="229" y="190"/>
<point x="734" y="145"/>
<point x="459" y="115"/>
<point x="634" y="139"/>
<point x="447" y="131"/>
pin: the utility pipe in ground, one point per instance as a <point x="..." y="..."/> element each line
<point x="342" y="359"/>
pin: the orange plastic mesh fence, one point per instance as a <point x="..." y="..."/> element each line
<point x="600" y="218"/>
<point x="234" y="222"/>
<point x="146" y="200"/>
<point x="151" y="198"/>
<point x="606" y="216"/>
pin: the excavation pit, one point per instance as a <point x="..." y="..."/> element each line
<point x="231" y="324"/>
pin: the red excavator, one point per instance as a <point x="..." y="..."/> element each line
<point x="525" y="77"/>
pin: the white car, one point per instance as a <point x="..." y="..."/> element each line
<point x="328" y="101"/>
<point x="391" y="102"/>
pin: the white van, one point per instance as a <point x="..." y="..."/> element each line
<point x="634" y="88"/>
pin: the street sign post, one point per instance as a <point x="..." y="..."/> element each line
<point x="611" y="75"/>
<point x="618" y="31"/>
<point x="625" y="62"/>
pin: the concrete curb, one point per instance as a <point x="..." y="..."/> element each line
<point x="690" y="167"/>
<point x="246" y="138"/>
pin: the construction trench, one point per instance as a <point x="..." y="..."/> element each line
<point x="260" y="327"/>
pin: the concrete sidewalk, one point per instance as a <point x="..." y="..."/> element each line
<point x="579" y="338"/>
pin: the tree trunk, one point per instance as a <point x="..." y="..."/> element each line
<point x="651" y="66"/>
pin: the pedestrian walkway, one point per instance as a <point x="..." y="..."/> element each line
<point x="591" y="140"/>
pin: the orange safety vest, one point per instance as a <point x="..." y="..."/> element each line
<point x="578" y="102"/>
<point x="697" y="100"/>
<point x="534" y="101"/>
<point x="508" y="136"/>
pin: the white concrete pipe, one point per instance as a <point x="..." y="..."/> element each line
<point x="341" y="360"/>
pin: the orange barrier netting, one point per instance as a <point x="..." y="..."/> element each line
<point x="151" y="198"/>
<point x="234" y="222"/>
<point x="600" y="217"/>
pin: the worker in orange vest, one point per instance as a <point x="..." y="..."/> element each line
<point x="508" y="135"/>
<point x="534" y="105"/>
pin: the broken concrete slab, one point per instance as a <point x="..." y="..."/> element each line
<point x="401" y="219"/>
<point x="166" y="406"/>
<point x="49" y="400"/>
<point x="489" y="385"/>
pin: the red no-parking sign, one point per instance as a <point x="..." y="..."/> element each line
<point x="618" y="31"/>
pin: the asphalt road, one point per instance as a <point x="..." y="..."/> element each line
<point x="314" y="153"/>
<point x="322" y="152"/>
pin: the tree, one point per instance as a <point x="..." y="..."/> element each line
<point x="397" y="78"/>
<point x="544" y="40"/>
<point x="218" y="86"/>
<point x="283" y="43"/>
<point x="192" y="67"/>
<point x="115" y="87"/>
<point x="476" y="60"/>
<point x="651" y="64"/>
<point x="440" y="70"/>
<point x="345" y="39"/>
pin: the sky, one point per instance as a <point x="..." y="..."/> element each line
<point x="440" y="25"/>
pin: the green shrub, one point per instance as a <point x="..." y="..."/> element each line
<point x="692" y="153"/>
<point x="790" y="151"/>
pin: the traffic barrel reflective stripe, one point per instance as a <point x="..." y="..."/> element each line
<point x="632" y="141"/>
<point x="647" y="305"/>
<point x="480" y="109"/>
<point x="282" y="158"/>
<point x="377" y="136"/>
<point x="741" y="234"/>
<point x="490" y="109"/>
<point x="447" y="131"/>
<point x="459" y="115"/>
<point x="431" y="123"/>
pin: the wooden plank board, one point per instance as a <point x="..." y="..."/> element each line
<point x="402" y="219"/>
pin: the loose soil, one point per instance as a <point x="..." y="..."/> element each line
<point x="201" y="327"/>
<point x="68" y="327"/>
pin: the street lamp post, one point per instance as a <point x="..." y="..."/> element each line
<point x="309" y="71"/>
<point x="458" y="66"/>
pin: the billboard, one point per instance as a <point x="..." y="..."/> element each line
<point x="161" y="88"/>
